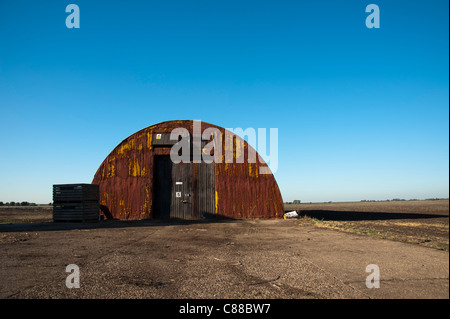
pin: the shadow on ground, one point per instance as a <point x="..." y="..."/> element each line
<point x="333" y="215"/>
<point x="105" y="224"/>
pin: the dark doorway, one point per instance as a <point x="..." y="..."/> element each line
<point x="162" y="183"/>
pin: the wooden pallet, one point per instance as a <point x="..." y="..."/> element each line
<point x="75" y="192"/>
<point x="76" y="202"/>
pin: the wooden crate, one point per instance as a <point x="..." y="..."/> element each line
<point x="76" y="202"/>
<point x="75" y="193"/>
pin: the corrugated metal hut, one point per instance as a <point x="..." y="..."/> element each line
<point x="139" y="180"/>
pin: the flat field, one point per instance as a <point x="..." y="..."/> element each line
<point x="423" y="222"/>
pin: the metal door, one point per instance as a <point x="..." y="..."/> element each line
<point x="184" y="190"/>
<point x="182" y="194"/>
<point x="206" y="190"/>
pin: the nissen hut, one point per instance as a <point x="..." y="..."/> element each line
<point x="186" y="170"/>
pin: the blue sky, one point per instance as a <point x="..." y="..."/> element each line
<point x="361" y="113"/>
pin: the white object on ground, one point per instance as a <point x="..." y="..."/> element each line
<point x="292" y="214"/>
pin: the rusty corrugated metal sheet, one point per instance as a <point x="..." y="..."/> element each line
<point x="125" y="179"/>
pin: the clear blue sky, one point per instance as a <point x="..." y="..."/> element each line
<point x="361" y="113"/>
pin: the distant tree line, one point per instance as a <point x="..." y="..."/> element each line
<point x="17" y="204"/>
<point x="296" y="201"/>
<point x="399" y="199"/>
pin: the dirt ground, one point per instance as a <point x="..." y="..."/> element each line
<point x="424" y="222"/>
<point x="306" y="258"/>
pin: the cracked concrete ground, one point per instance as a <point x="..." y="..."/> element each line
<point x="203" y="259"/>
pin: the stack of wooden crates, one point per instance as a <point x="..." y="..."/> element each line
<point x="76" y="202"/>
